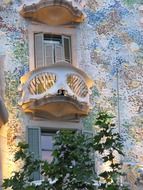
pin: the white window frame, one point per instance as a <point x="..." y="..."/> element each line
<point x="57" y="30"/>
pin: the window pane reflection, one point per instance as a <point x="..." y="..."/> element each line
<point x="47" y="155"/>
<point x="47" y="146"/>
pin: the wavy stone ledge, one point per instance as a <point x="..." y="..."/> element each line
<point x="53" y="12"/>
<point x="56" y="107"/>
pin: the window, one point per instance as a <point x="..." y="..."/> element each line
<point x="41" y="140"/>
<point x="47" y="146"/>
<point x="51" y="48"/>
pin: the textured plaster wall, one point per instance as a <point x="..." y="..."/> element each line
<point x="110" y="49"/>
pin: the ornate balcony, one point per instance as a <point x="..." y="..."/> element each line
<point x="53" y="12"/>
<point x="59" y="91"/>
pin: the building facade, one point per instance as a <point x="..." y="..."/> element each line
<point x="48" y="51"/>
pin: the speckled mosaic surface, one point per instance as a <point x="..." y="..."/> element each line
<point x="110" y="49"/>
<point x="113" y="42"/>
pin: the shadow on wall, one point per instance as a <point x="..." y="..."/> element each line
<point x="3" y="113"/>
<point x="3" y="110"/>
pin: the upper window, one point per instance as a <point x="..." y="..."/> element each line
<point x="51" y="48"/>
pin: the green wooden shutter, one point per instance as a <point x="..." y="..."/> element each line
<point x="39" y="50"/>
<point x="34" y="147"/>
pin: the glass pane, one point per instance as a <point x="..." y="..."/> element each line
<point x="51" y="38"/>
<point x="47" y="142"/>
<point x="67" y="49"/>
<point x="47" y="155"/>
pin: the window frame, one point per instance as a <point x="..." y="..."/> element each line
<point x="55" y="30"/>
<point x="49" y="126"/>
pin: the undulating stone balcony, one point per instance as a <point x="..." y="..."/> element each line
<point x="53" y="12"/>
<point x="59" y="90"/>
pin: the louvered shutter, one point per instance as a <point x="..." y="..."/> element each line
<point x="49" y="54"/>
<point x="34" y="147"/>
<point x="59" y="54"/>
<point x="67" y="48"/>
<point x="39" y="50"/>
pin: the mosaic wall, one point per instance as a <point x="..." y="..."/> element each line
<point x="14" y="49"/>
<point x="110" y="50"/>
<point x="112" y="45"/>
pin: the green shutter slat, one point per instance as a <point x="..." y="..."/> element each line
<point x="34" y="144"/>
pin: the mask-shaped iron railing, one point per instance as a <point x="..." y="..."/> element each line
<point x="49" y="81"/>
